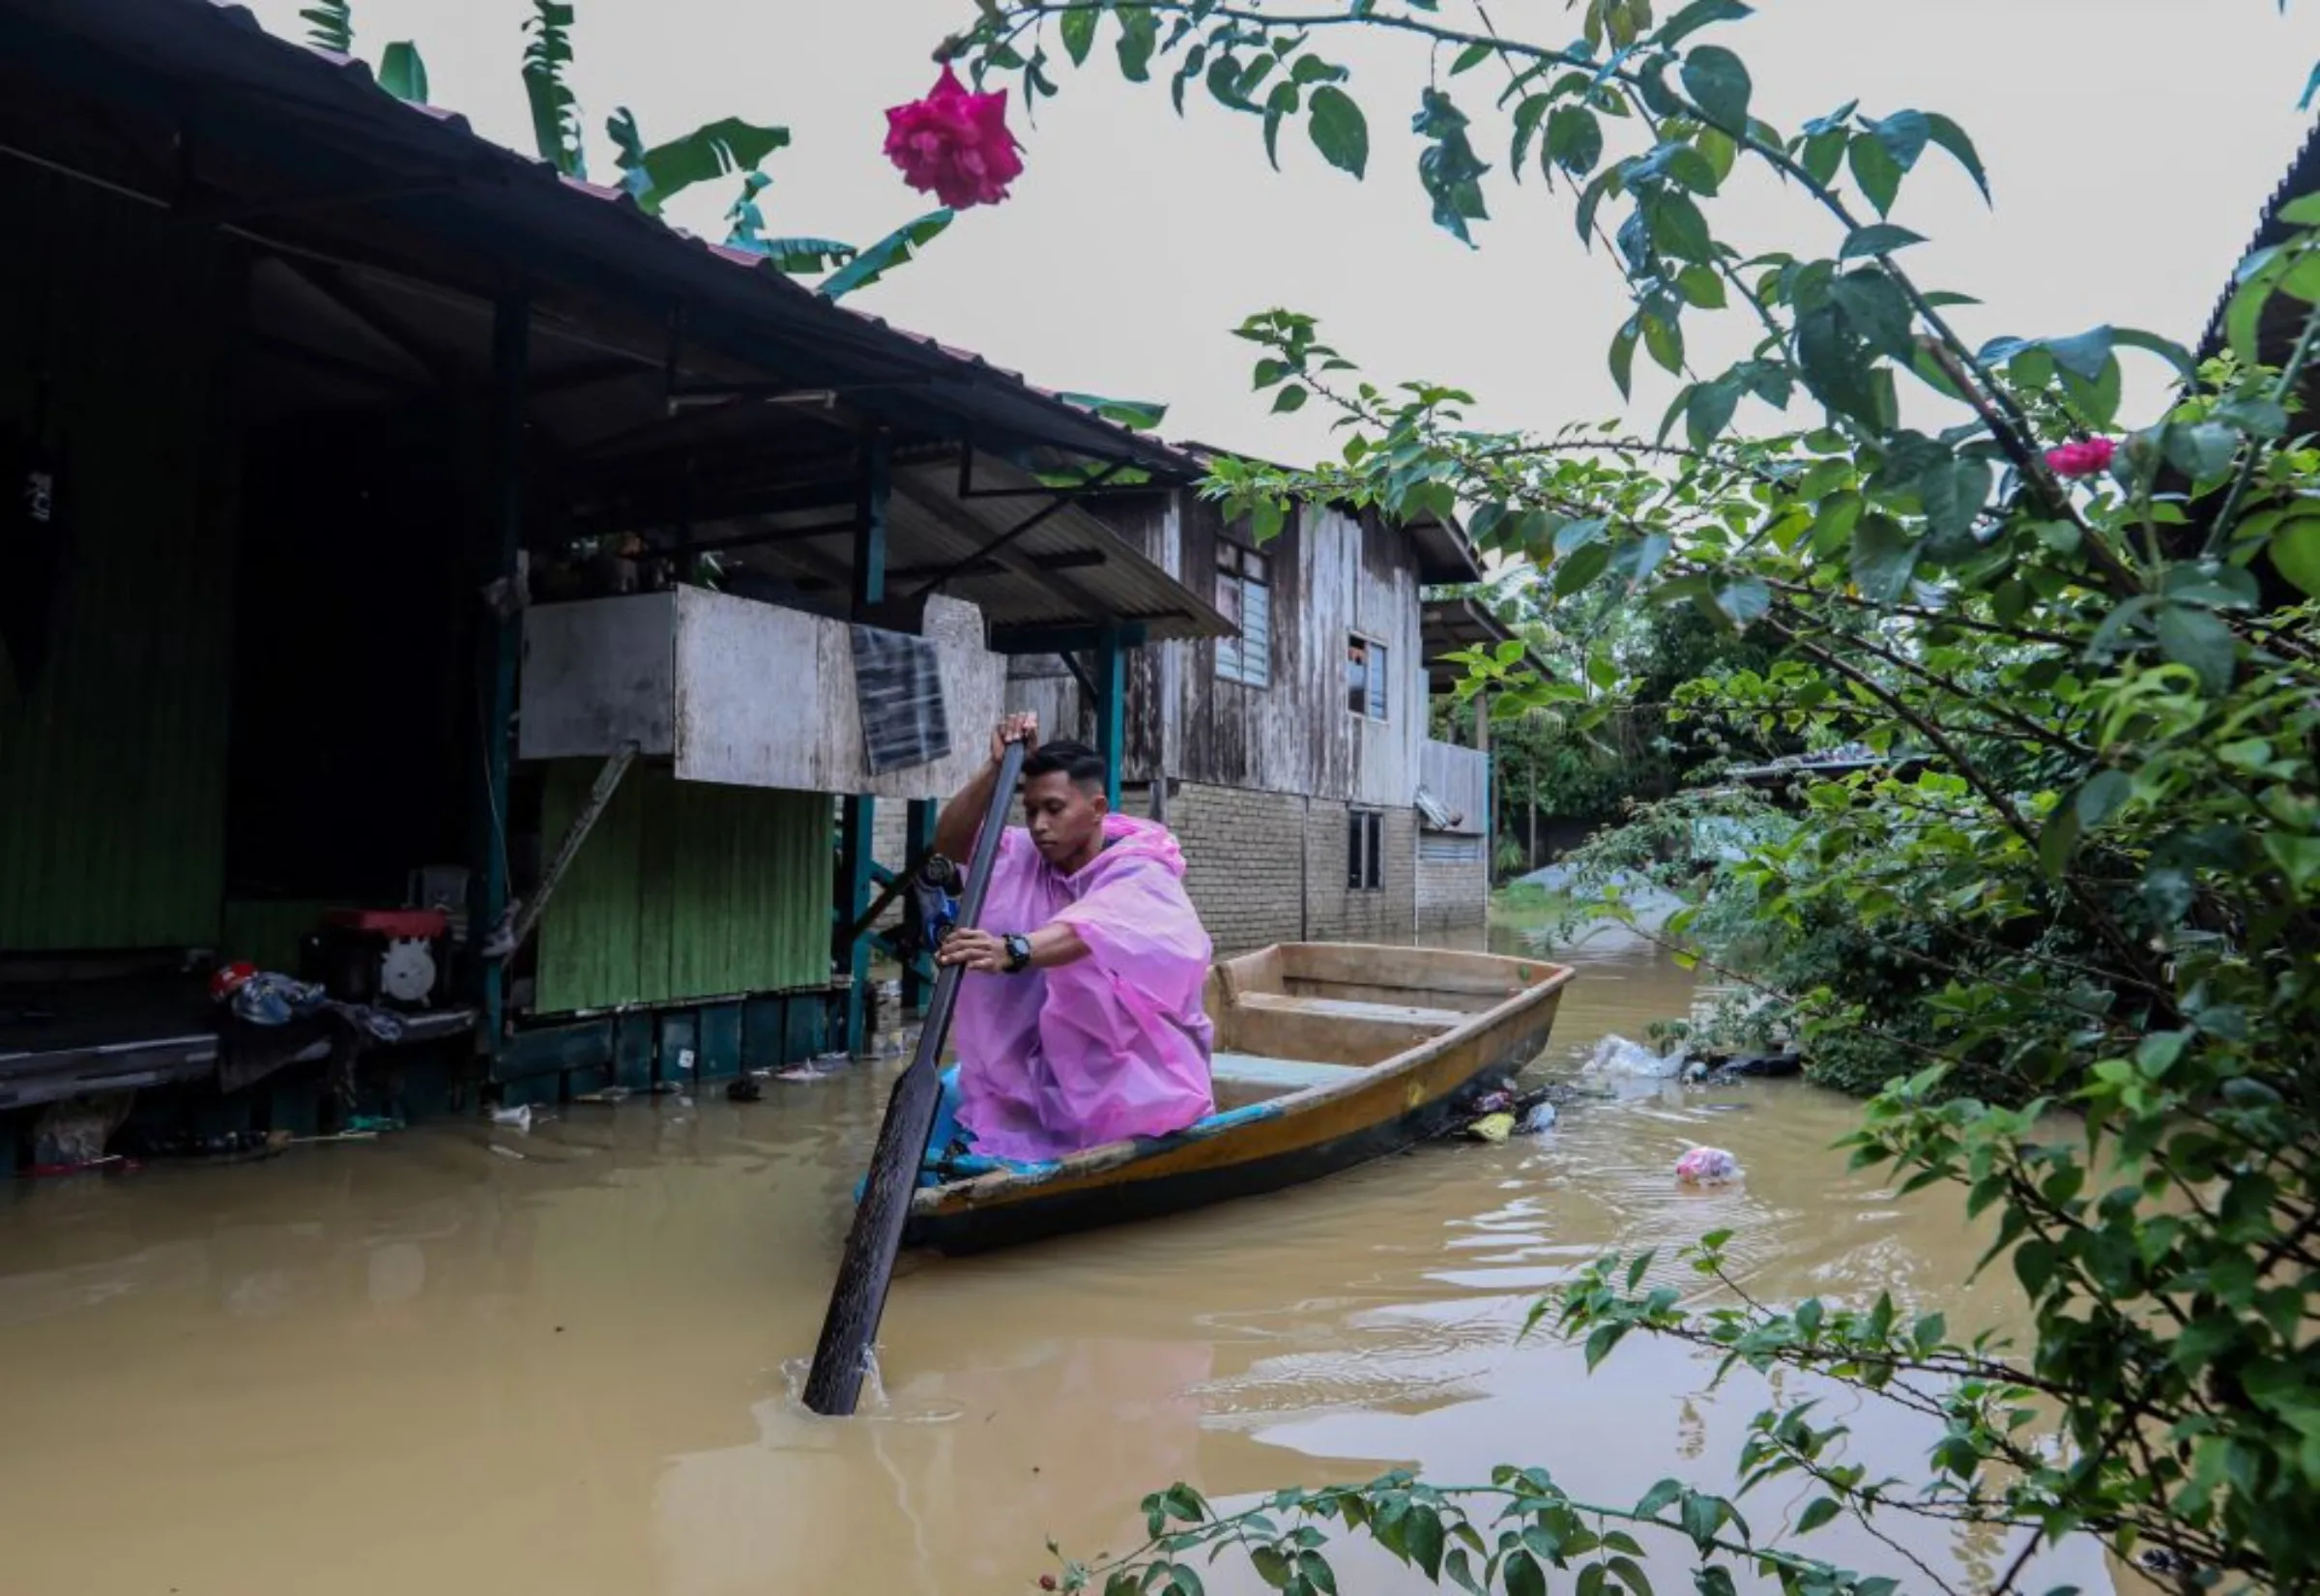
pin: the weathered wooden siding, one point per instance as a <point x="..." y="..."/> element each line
<point x="685" y="891"/>
<point x="1333" y="575"/>
<point x="1459" y="778"/>
<point x="740" y="692"/>
<point x="113" y="763"/>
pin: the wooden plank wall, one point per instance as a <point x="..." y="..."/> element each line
<point x="1459" y="778"/>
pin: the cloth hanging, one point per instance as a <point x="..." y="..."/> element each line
<point x="898" y="685"/>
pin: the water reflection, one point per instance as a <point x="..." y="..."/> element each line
<point x="420" y="1364"/>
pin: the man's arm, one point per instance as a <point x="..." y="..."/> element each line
<point x="955" y="827"/>
<point x="986" y="951"/>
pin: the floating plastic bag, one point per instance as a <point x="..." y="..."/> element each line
<point x="1707" y="1167"/>
<point x="1538" y="1117"/>
<point x="1492" y="1127"/>
<point x="1617" y="1056"/>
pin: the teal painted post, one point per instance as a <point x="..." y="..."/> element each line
<point x="921" y="843"/>
<point x="857" y="814"/>
<point x="1111" y="706"/>
<point x="500" y="643"/>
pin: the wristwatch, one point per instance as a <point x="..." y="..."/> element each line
<point x="1019" y="952"/>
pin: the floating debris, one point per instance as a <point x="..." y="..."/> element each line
<point x="1707" y="1167"/>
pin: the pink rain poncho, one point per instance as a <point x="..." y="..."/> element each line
<point x="1109" y="1046"/>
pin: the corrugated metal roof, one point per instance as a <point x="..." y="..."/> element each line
<point x="306" y="104"/>
<point x="2303" y="177"/>
<point x="1063" y="571"/>
<point x="1446" y="626"/>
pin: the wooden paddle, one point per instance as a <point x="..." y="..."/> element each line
<point x="859" y="1298"/>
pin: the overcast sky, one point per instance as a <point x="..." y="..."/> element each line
<point x="2130" y="144"/>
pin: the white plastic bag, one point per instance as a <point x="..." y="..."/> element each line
<point x="1617" y="1056"/>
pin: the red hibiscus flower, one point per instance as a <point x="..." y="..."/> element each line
<point x="954" y="145"/>
<point x="2081" y="456"/>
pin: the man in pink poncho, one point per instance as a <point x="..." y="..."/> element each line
<point x="1079" y="1020"/>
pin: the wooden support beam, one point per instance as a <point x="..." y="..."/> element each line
<point x="857" y="822"/>
<point x="918" y="843"/>
<point x="599" y="799"/>
<point x="1110" y="707"/>
<point x="1002" y="549"/>
<point x="873" y="490"/>
<point x="499" y="640"/>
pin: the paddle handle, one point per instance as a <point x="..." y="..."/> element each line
<point x="858" y="1299"/>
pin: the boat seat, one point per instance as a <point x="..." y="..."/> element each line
<point x="1279" y="1075"/>
<point x="1349" y="1009"/>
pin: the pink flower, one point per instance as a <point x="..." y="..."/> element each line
<point x="2081" y="456"/>
<point x="954" y="145"/>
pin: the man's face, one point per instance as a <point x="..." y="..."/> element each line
<point x="1067" y="821"/>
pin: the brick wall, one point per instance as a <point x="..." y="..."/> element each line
<point x="1337" y="913"/>
<point x="1244" y="865"/>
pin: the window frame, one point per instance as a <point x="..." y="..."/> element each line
<point x="1244" y="569"/>
<point x="1365" y="850"/>
<point x="1377" y="670"/>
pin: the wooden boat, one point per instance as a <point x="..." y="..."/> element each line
<point x="1327" y="1054"/>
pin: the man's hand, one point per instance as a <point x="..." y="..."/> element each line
<point x="1015" y="728"/>
<point x="979" y="951"/>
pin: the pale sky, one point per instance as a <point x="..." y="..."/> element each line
<point x="2130" y="143"/>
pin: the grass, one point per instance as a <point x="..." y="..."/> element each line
<point x="1526" y="905"/>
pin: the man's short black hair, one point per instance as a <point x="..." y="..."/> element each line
<point x="1076" y="760"/>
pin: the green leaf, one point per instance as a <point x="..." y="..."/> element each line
<point x="1290" y="398"/>
<point x="329" y="26"/>
<point x="1573" y="139"/>
<point x="1271" y="1565"/>
<point x="1339" y="129"/>
<point x="1703" y="1517"/>
<point x="1718" y="82"/>
<point x="2294" y="551"/>
<point x="2104" y="794"/>
<point x="556" y="130"/>
<point x="2198" y="639"/>
<point x="1954" y="493"/>
<point x="1648" y="1505"/>
<point x="1818" y="1512"/>
<point x="1701" y="286"/>
<point x="895" y="249"/>
<point x="1678" y="227"/>
<point x="799" y="256"/>
<point x="2056" y="843"/>
<point x="1522" y="1575"/>
<point x="1879" y="238"/>
<point x="655" y="176"/>
<point x="1665" y="338"/>
<point x="402" y="74"/>
<point x="1580" y="567"/>
<point x="1472" y="56"/>
<point x="2086" y="354"/>
<point x="1139" y="38"/>
<point x="1423" y="1538"/>
<point x="1884" y="558"/>
<point x="2203" y="453"/>
<point x="1698" y="15"/>
<point x="1903" y="135"/>
<point x="1143" y="415"/>
<point x="1079" y="34"/>
<point x="1951" y="139"/>
<point x="1623" y="356"/>
<point x="1875" y="170"/>
<point x="1709" y="411"/>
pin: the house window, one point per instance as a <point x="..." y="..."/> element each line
<point x="1365" y="850"/>
<point x="1244" y="593"/>
<point x="1367" y="673"/>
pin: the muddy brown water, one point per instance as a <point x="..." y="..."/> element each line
<point x="421" y="1365"/>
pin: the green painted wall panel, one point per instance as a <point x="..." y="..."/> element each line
<point x="684" y="890"/>
<point x="113" y="758"/>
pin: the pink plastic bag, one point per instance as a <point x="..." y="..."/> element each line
<point x="1707" y="1167"/>
<point x="1114" y="1045"/>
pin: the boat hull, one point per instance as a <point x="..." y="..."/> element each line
<point x="1414" y="1071"/>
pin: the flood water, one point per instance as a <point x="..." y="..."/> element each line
<point x="419" y="1365"/>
